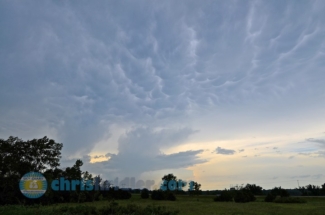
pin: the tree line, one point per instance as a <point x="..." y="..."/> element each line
<point x="18" y="157"/>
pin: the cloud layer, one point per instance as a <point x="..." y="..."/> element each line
<point x="145" y="78"/>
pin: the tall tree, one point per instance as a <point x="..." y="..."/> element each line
<point x="169" y="177"/>
<point x="18" y="157"/>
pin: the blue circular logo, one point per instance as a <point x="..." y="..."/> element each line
<point x="33" y="185"/>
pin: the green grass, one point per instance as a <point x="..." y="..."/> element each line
<point x="196" y="206"/>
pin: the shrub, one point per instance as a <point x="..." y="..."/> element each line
<point x="225" y="196"/>
<point x="278" y="191"/>
<point x="290" y="200"/>
<point x="120" y="194"/>
<point x="269" y="197"/>
<point x="284" y="193"/>
<point x="243" y="196"/>
<point x="145" y="194"/>
<point x="170" y="196"/>
<point x="163" y="195"/>
<point x="157" y="195"/>
<point x="250" y="195"/>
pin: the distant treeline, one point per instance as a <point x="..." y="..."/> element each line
<point x="309" y="190"/>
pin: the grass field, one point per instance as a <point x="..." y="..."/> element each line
<point x="195" y="206"/>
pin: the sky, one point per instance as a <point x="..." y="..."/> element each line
<point x="220" y="92"/>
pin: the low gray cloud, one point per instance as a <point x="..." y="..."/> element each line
<point x="320" y="154"/>
<point x="318" y="176"/>
<point x="223" y="151"/>
<point x="291" y="157"/>
<point x="314" y="140"/>
<point x="241" y="150"/>
<point x="301" y="176"/>
<point x="317" y="154"/>
<point x="139" y="151"/>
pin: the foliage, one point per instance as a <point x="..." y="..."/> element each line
<point x="243" y="196"/>
<point x="278" y="191"/>
<point x="170" y="196"/>
<point x="17" y="157"/>
<point x="157" y="195"/>
<point x="119" y="194"/>
<point x="225" y="196"/>
<point x="169" y="177"/>
<point x="145" y="193"/>
<point x="196" y="189"/>
<point x="254" y="189"/>
<point x="284" y="193"/>
<point x="163" y="195"/>
<point x="312" y="190"/>
<point x="269" y="197"/>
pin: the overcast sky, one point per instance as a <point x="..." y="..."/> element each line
<point x="219" y="92"/>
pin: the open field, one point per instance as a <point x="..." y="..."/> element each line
<point x="196" y="206"/>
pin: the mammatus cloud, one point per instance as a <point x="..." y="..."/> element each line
<point x="73" y="75"/>
<point x="223" y="151"/>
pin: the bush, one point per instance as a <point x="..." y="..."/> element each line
<point x="290" y="200"/>
<point x="170" y="196"/>
<point x="157" y="195"/>
<point x="225" y="196"/>
<point x="145" y="194"/>
<point x="119" y="194"/>
<point x="243" y="196"/>
<point x="278" y="191"/>
<point x="250" y="196"/>
<point x="284" y="193"/>
<point x="269" y="197"/>
<point x="163" y="195"/>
